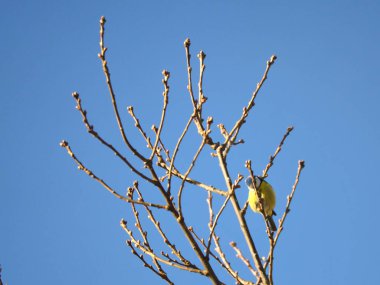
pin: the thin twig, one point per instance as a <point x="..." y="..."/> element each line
<point x="91" y="130"/>
<point x="201" y="98"/>
<point x="196" y="105"/>
<point x="245" y="207"/>
<point x="272" y="157"/>
<point x="301" y="165"/>
<point x="143" y="233"/>
<point x="166" y="75"/>
<point x="102" y="56"/>
<point x="245" y="260"/>
<point x="65" y="144"/>
<point x="213" y="223"/>
<point x="141" y="247"/>
<point x="139" y="127"/>
<point x="187" y="173"/>
<point x="156" y="223"/>
<point x="239" y="123"/>
<point x="223" y="260"/>
<point x="223" y="130"/>
<point x="208" y="188"/>
<point x="185" y="130"/>
<point x="147" y="265"/>
<point x="241" y="219"/>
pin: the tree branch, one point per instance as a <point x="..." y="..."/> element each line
<point x="272" y="157"/>
<point x="65" y="145"/>
<point x="102" y="56"/>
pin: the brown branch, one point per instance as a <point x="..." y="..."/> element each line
<point x="166" y="75"/>
<point x="245" y="207"/>
<point x="241" y="218"/>
<point x="143" y="233"/>
<point x="185" y="130"/>
<point x="272" y="157"/>
<point x="196" y="105"/>
<point x="91" y="130"/>
<point x="301" y="165"/>
<point x="156" y="223"/>
<point x="187" y="44"/>
<point x="239" y="123"/>
<point x="213" y="223"/>
<point x="65" y="144"/>
<point x="223" y="130"/>
<point x="186" y="174"/>
<point x="139" y="127"/>
<point x="201" y="98"/>
<point x="102" y="56"/>
<point x="224" y="262"/>
<point x="245" y="260"/>
<point x="147" y="265"/>
<point x="141" y="247"/>
<point x="208" y="188"/>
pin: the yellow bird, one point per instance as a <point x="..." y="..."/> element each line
<point x="268" y="195"/>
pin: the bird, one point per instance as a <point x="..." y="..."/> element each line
<point x="268" y="195"/>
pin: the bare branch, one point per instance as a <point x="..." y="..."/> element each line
<point x="176" y="151"/>
<point x="213" y="224"/>
<point x="146" y="251"/>
<point x="244" y="209"/>
<point x="223" y="131"/>
<point x="102" y="56"/>
<point x="139" y="127"/>
<point x="197" y="105"/>
<point x="91" y="130"/>
<point x="239" y="123"/>
<point x="201" y="98"/>
<point x="156" y="223"/>
<point x="245" y="260"/>
<point x="241" y="218"/>
<point x="186" y="174"/>
<point x="223" y="261"/>
<point x="143" y="233"/>
<point x="65" y="144"/>
<point x="166" y="75"/>
<point x="272" y="157"/>
<point x="301" y="165"/>
<point x="147" y="265"/>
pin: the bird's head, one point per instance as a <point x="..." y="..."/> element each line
<point x="249" y="182"/>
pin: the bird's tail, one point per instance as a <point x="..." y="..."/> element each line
<point x="272" y="224"/>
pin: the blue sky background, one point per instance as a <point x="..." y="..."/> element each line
<point x="58" y="226"/>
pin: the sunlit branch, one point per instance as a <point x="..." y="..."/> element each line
<point x="91" y="130"/>
<point x="272" y="157"/>
<point x="65" y="145"/>
<point x="244" y="259"/>
<point x="102" y="56"/>
<point x="166" y="75"/>
<point x="239" y="123"/>
<point x="242" y="222"/>
<point x="301" y="165"/>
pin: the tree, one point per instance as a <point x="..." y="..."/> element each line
<point x="208" y="250"/>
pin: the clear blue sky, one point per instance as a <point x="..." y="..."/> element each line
<point x="57" y="226"/>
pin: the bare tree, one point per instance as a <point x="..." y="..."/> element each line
<point x="210" y="259"/>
